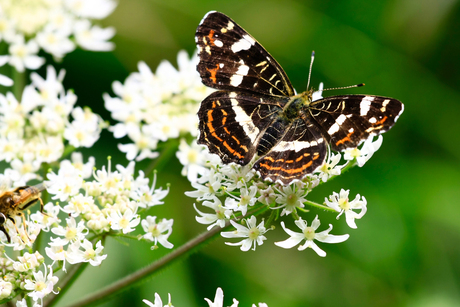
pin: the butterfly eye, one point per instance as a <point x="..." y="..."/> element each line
<point x="2" y="219"/>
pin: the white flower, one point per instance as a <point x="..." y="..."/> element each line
<point x="94" y="9"/>
<point x="21" y="303"/>
<point x="158" y="232"/>
<point x="4" y="80"/>
<point x="55" y="25"/>
<point x="218" y="218"/>
<point x="93" y="38"/>
<point x="142" y="146"/>
<point x="89" y="254"/>
<point x="55" y="41"/>
<point x="5" y="289"/>
<point x="50" y="217"/>
<point x="237" y="176"/>
<point x="79" y="204"/>
<point x="193" y="160"/>
<point x="41" y="285"/>
<point x="58" y="253"/>
<point x="330" y="168"/>
<point x="24" y="55"/>
<point x="318" y="94"/>
<point x="71" y="233"/>
<point x="208" y="190"/>
<point x="49" y="88"/>
<point x="125" y="222"/>
<point x="254" y="234"/>
<point x="86" y="169"/>
<point x="153" y="107"/>
<point x="158" y="302"/>
<point x="340" y="203"/>
<point x="267" y="196"/>
<point x="66" y="183"/>
<point x="218" y="299"/>
<point x="247" y="198"/>
<point x="309" y="235"/>
<point x="149" y="197"/>
<point x="365" y="153"/>
<point x="108" y="180"/>
<point x="28" y="262"/>
<point x="290" y="198"/>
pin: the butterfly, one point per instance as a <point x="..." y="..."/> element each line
<point x="257" y="113"/>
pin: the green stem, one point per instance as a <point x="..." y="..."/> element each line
<point x="19" y="79"/>
<point x="316" y="205"/>
<point x="142" y="274"/>
<point x="68" y="150"/>
<point x="169" y="149"/>
<point x="66" y="282"/>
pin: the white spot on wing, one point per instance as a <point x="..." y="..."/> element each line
<point x="340" y="119"/>
<point x="334" y="128"/>
<point x="218" y="43"/>
<point x="230" y="25"/>
<point x="243" y="44"/>
<point x="397" y="116"/>
<point x="237" y="77"/>
<point x="295" y="145"/>
<point x="244" y="120"/>
<point x="372" y="120"/>
<point x="365" y="105"/>
<point x="384" y="105"/>
<point x="249" y="39"/>
<point x="236" y="80"/>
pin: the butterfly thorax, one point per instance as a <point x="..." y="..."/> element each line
<point x="297" y="105"/>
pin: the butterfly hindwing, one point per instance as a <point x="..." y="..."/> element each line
<point x="301" y="150"/>
<point x="231" y="59"/>
<point x="231" y="124"/>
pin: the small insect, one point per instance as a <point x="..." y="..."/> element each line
<point x="14" y="202"/>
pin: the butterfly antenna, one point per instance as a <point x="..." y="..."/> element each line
<point x="311" y="65"/>
<point x="343" y="87"/>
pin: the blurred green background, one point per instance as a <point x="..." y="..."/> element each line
<point x="406" y="250"/>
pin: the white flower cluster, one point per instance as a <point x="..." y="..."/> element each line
<point x="218" y="301"/>
<point x="25" y="275"/>
<point x="232" y="192"/>
<point x="108" y="205"/>
<point x="56" y="27"/>
<point x="35" y="130"/>
<point x="152" y="107"/>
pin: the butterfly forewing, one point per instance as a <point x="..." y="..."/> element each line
<point x="346" y="121"/>
<point x="231" y="59"/>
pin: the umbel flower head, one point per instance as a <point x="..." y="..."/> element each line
<point x="88" y="206"/>
<point x="153" y="107"/>
<point x="56" y="27"/>
<point x="37" y="129"/>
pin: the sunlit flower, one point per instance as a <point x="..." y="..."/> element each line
<point x="253" y="233"/>
<point x="158" y="232"/>
<point x="309" y="234"/>
<point x="365" y="153"/>
<point x="220" y="216"/>
<point x="340" y="203"/>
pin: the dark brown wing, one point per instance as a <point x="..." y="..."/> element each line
<point x="231" y="59"/>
